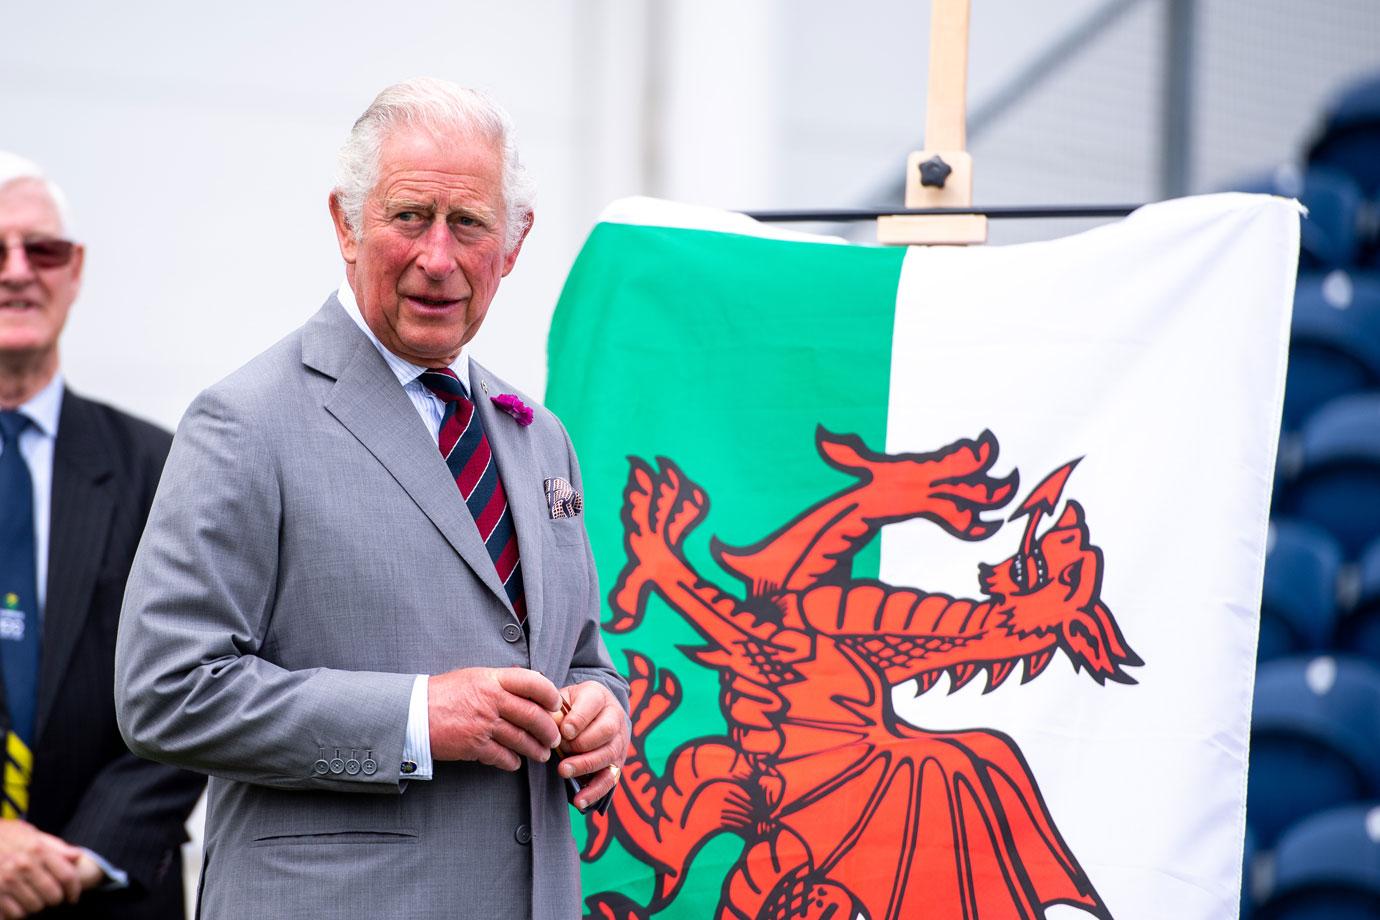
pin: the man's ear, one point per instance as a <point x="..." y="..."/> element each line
<point x="510" y="259"/>
<point x="78" y="260"/>
<point x="344" y="234"/>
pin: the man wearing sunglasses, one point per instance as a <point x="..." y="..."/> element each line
<point x="88" y="829"/>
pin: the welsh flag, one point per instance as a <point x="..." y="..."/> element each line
<point x="935" y="572"/>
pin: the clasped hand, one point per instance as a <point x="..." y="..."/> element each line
<point x="38" y="870"/>
<point x="498" y="716"/>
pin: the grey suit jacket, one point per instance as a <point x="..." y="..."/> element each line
<point x="306" y="555"/>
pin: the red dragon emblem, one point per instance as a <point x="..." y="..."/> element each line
<point x="846" y="810"/>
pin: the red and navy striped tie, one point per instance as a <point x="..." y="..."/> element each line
<point x="471" y="462"/>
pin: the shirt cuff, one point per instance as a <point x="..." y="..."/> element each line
<point x="416" y="755"/>
<point x="115" y="879"/>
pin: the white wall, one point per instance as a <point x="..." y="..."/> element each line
<point x="197" y="144"/>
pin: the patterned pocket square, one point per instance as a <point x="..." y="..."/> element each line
<point x="562" y="499"/>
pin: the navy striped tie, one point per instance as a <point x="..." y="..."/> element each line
<point x="18" y="614"/>
<point x="471" y="462"/>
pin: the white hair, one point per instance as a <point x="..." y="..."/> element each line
<point x="14" y="168"/>
<point x="438" y="106"/>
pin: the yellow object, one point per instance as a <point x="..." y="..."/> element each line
<point x="19" y="762"/>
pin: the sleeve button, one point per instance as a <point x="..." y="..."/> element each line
<point x="321" y="768"/>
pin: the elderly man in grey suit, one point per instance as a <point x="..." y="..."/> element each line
<point x="365" y="603"/>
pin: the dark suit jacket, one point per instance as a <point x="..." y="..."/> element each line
<point x="87" y="787"/>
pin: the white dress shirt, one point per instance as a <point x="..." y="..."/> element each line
<point x="36" y="443"/>
<point x="417" y="745"/>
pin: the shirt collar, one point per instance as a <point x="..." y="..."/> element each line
<point x="45" y="406"/>
<point x="404" y="370"/>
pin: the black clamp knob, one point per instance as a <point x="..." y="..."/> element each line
<point x="934" y="172"/>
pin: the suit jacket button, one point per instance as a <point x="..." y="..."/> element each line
<point x="369" y="767"/>
<point x="321" y="767"/>
<point x="523" y="834"/>
<point x="512" y="632"/>
<point x="352" y="766"/>
<point x="337" y="766"/>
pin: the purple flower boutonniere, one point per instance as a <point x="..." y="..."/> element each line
<point x="514" y="407"/>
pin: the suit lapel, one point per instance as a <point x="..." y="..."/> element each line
<point x="511" y="444"/>
<point x="80" y="526"/>
<point x="368" y="400"/>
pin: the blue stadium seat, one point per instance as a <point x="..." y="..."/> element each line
<point x="1350" y="138"/>
<point x="1248" y="859"/>
<point x="1330" y="236"/>
<point x="1298" y="610"/>
<point x="1335" y="343"/>
<point x="1359" y="631"/>
<point x="1338" y="483"/>
<point x="1313" y="740"/>
<point x="1327" y="867"/>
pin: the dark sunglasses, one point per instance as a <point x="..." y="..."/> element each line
<point x="43" y="253"/>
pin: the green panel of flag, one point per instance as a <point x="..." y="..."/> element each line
<point x="723" y="353"/>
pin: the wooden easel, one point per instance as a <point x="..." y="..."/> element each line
<point x="941" y="175"/>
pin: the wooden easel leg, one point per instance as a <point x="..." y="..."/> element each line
<point x="945" y="138"/>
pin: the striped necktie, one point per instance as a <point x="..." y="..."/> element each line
<point x="469" y="459"/>
<point x="18" y="613"/>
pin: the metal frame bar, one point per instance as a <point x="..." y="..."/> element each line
<point x="1017" y="212"/>
<point x="1048" y="63"/>
<point x="1176" y="98"/>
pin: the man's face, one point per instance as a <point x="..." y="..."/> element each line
<point x="33" y="301"/>
<point x="430" y="251"/>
